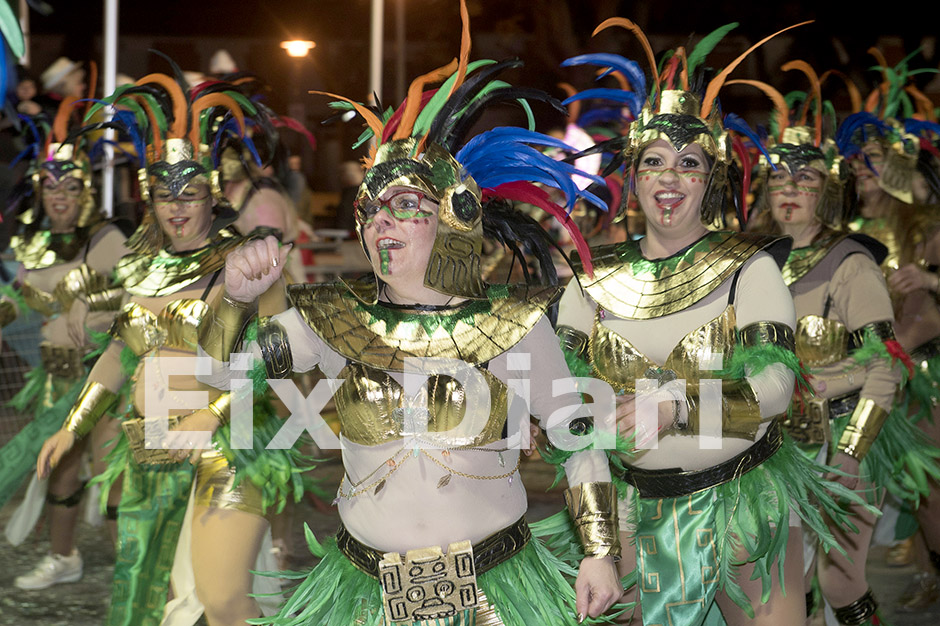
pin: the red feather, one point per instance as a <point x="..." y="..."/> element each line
<point x="521" y="191"/>
<point x="392" y="124"/>
<point x="898" y="354"/>
<point x="291" y="123"/>
<point x="741" y="151"/>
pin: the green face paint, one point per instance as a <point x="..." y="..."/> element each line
<point x="385" y="256"/>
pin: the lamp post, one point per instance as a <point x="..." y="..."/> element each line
<point x="297" y="49"/>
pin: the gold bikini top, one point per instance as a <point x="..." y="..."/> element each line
<point x="885" y="231"/>
<point x="620" y="364"/>
<point x="176" y="326"/>
<point x="377" y="338"/>
<point x="80" y="280"/>
<point x="372" y="408"/>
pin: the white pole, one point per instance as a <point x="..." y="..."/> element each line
<point x="400" y="78"/>
<point x="24" y="26"/>
<point x="109" y="75"/>
<point x="376" y="29"/>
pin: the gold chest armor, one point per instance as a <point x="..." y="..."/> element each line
<point x="78" y="280"/>
<point x="885" y="231"/>
<point x="175" y="327"/>
<point x="372" y="405"/>
<point x="821" y="341"/>
<point x="619" y="363"/>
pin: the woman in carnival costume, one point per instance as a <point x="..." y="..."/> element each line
<point x="844" y="334"/>
<point x="710" y="506"/>
<point x="451" y="484"/>
<point x="176" y="268"/>
<point x="67" y="252"/>
<point x="884" y="151"/>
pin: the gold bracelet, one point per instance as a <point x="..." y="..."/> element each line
<point x="221" y="407"/>
<point x="221" y="329"/>
<point x="593" y="509"/>
<point x="863" y="427"/>
<point x="93" y="402"/>
<point x="740" y="410"/>
<point x="7" y="312"/>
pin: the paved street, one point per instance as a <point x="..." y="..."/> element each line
<point x="85" y="603"/>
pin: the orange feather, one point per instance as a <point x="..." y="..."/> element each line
<point x="711" y="92"/>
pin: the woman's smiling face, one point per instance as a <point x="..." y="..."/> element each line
<point x="61" y="200"/>
<point x="671" y="186"/>
<point x="398" y="231"/>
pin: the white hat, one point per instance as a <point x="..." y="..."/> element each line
<point x="59" y="69"/>
<point x="222" y="62"/>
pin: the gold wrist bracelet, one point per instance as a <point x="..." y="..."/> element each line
<point x="93" y="402"/>
<point x="221" y="329"/>
<point x="862" y="429"/>
<point x="593" y="509"/>
<point x="7" y="312"/>
<point x="221" y="407"/>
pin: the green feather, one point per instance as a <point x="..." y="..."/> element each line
<point x="707" y="44"/>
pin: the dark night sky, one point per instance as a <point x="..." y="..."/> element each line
<point x="541" y="32"/>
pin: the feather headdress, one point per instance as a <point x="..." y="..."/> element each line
<point x="423" y="145"/>
<point x="178" y="135"/>
<point x="673" y="102"/>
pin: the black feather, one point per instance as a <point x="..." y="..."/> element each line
<point x="454" y="138"/>
<point x="462" y="95"/>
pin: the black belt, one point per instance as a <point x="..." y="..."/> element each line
<point x="843" y="405"/>
<point x="926" y="351"/>
<point x="487" y="554"/>
<point x="673" y="483"/>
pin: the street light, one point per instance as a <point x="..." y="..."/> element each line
<point x="298" y="48"/>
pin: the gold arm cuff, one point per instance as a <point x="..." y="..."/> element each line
<point x="105" y="300"/>
<point x="275" y="348"/>
<point x="574" y="341"/>
<point x="593" y="509"/>
<point x="740" y="411"/>
<point x="92" y="403"/>
<point x="7" y="312"/>
<point x="221" y="407"/>
<point x="863" y="427"/>
<point x="883" y="330"/>
<point x="221" y="329"/>
<point x="762" y="333"/>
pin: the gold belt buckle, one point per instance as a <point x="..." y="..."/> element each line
<point x="429" y="584"/>
<point x="811" y="427"/>
<point x="134" y="429"/>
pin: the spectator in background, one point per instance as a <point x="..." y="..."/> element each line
<point x="63" y="78"/>
<point x="350" y="177"/>
<point x="26" y="91"/>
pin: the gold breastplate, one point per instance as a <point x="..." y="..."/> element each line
<point x="821" y="341"/>
<point x="619" y="363"/>
<point x="372" y="407"/>
<point x="175" y="327"/>
<point x="78" y="280"/>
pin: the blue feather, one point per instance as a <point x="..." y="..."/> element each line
<point x="504" y="155"/>
<point x="738" y="125"/>
<point x="4" y="75"/>
<point x="845" y="137"/>
<point x="630" y="69"/>
<point x="633" y="100"/>
<point x="917" y="127"/>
